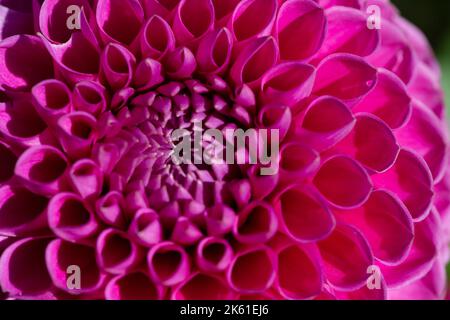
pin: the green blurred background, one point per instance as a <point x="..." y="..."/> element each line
<point x="433" y="17"/>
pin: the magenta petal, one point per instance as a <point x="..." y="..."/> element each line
<point x="202" y="287"/>
<point x="409" y="178"/>
<point x="276" y="117"/>
<point x="15" y="21"/>
<point x="21" y="124"/>
<point x="53" y="18"/>
<point x="421" y="257"/>
<point x="388" y="91"/>
<point x="61" y="254"/>
<point x="253" y="18"/>
<point x="343" y="182"/>
<point x="8" y="160"/>
<point x="77" y="132"/>
<point x="181" y="63"/>
<point x="90" y="97"/>
<point x="186" y="232"/>
<point x="113" y="15"/>
<point x="387" y="225"/>
<point x="214" y="51"/>
<point x="297" y="161"/>
<point x="423" y="134"/>
<point x="256" y="223"/>
<point x="326" y="121"/>
<point x="345" y="76"/>
<point x="294" y="284"/>
<point x="168" y="264"/>
<point x="157" y="38"/>
<point x="86" y="178"/>
<point x="192" y="20"/>
<point x="133" y="286"/>
<point x="24" y="271"/>
<point x="305" y="217"/>
<point x="260" y="262"/>
<point x="117" y="64"/>
<point x="347" y="32"/>
<point x="20" y="54"/>
<point x="148" y="74"/>
<point x="219" y="220"/>
<point x="364" y="293"/>
<point x="53" y="99"/>
<point x="146" y="228"/>
<point x="346" y="257"/>
<point x="21" y="211"/>
<point x="70" y="219"/>
<point x="371" y="142"/>
<point x="287" y="83"/>
<point x="110" y="209"/>
<point x="116" y="253"/>
<point x="257" y="57"/>
<point x="42" y="169"/>
<point x="300" y="19"/>
<point x="213" y="254"/>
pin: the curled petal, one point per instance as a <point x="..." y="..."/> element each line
<point x="15" y="21"/>
<point x="297" y="161"/>
<point x="42" y="169"/>
<point x="157" y="38"/>
<point x="77" y="59"/>
<point x="253" y="18"/>
<point x="343" y="182"/>
<point x="8" y="160"/>
<point x="113" y="15"/>
<point x="24" y="271"/>
<point x="394" y="52"/>
<point x="146" y="228"/>
<point x="148" y="74"/>
<point x="293" y="284"/>
<point x="109" y="209"/>
<point x="77" y="132"/>
<point x="192" y="20"/>
<point x="421" y="257"/>
<point x="389" y="90"/>
<point x="18" y="55"/>
<point x="409" y="178"/>
<point x="261" y="185"/>
<point x="70" y="219"/>
<point x="186" y="232"/>
<point x="21" y="124"/>
<point x="423" y="134"/>
<point x="60" y="255"/>
<point x="304" y="216"/>
<point x="364" y="293"/>
<point x="90" y="97"/>
<point x="213" y="254"/>
<point x="214" y="51"/>
<point x="219" y="220"/>
<point x="133" y="286"/>
<point x="223" y="8"/>
<point x="300" y="19"/>
<point x="326" y="122"/>
<point x="116" y="253"/>
<point x="287" y="83"/>
<point x="52" y="99"/>
<point x="202" y="287"/>
<point x="347" y="32"/>
<point x="260" y="263"/>
<point x="168" y="264"/>
<point x="386" y="224"/>
<point x="181" y="63"/>
<point x="86" y="178"/>
<point x="274" y="116"/>
<point x="372" y="143"/>
<point x="117" y="64"/>
<point x="256" y="223"/>
<point x="53" y="18"/>
<point x="346" y="257"/>
<point x="254" y="60"/>
<point x="345" y="76"/>
<point x="21" y="211"/>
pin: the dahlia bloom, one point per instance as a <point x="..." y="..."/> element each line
<point x="86" y="177"/>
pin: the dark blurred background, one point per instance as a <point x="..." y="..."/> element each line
<point x="433" y="17"/>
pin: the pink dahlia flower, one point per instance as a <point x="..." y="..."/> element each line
<point x="359" y="205"/>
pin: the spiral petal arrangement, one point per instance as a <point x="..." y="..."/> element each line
<point x="87" y="179"/>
